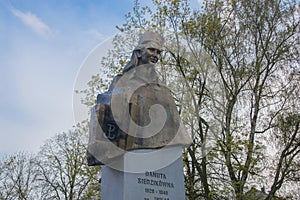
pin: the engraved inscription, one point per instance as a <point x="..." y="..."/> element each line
<point x="157" y="185"/>
<point x="149" y="190"/>
<point x="111" y="131"/>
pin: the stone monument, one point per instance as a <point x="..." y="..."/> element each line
<point x="136" y="131"/>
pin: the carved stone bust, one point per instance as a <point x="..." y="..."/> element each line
<point x="138" y="111"/>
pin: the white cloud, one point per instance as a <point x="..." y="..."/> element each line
<point x="31" y="20"/>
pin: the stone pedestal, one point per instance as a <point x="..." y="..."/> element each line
<point x="145" y="175"/>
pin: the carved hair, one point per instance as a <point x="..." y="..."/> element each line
<point x="134" y="60"/>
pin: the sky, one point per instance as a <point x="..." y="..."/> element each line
<point x="44" y="46"/>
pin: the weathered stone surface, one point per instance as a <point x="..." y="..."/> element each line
<point x="138" y="112"/>
<point x="142" y="178"/>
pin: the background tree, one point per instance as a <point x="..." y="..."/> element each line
<point x="63" y="170"/>
<point x="255" y="48"/>
<point x="18" y="176"/>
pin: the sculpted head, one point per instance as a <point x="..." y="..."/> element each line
<point x="148" y="50"/>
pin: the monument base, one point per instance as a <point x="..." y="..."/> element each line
<point x="145" y="175"/>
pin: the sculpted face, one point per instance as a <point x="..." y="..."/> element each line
<point x="149" y="56"/>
